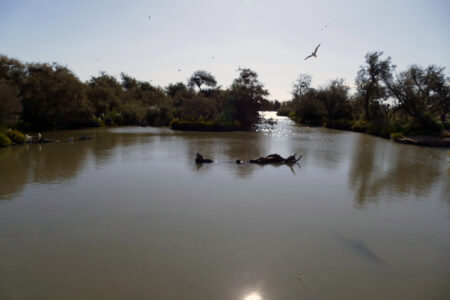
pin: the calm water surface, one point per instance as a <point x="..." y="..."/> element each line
<point x="128" y="215"/>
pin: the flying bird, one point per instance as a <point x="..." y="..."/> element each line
<point x="326" y="26"/>
<point x="179" y="70"/>
<point x="314" y="53"/>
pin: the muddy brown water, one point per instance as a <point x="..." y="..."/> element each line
<point x="128" y="215"/>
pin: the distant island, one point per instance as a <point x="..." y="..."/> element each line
<point x="42" y="96"/>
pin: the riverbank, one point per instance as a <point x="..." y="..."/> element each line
<point x="426" y="140"/>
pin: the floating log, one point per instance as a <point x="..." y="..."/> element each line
<point x="276" y="159"/>
<point x="199" y="159"/>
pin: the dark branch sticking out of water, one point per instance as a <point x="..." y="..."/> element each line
<point x="269" y="159"/>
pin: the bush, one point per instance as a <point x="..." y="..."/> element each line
<point x="16" y="136"/>
<point x="284" y="111"/>
<point x="343" y="124"/>
<point x="113" y="118"/>
<point x="4" y="140"/>
<point x="427" y="126"/>
<point x="159" y="116"/>
<point x="203" y="126"/>
<point x="397" y="135"/>
<point x="360" y="126"/>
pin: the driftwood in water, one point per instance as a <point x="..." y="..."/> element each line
<point x="199" y="159"/>
<point x="276" y="159"/>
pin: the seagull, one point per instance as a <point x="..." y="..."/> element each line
<point x="179" y="70"/>
<point x="213" y="57"/>
<point x="314" y="53"/>
<point x="149" y="17"/>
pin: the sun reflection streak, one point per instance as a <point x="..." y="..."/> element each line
<point x="253" y="296"/>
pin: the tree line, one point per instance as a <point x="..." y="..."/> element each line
<point x="413" y="101"/>
<point x="42" y="96"/>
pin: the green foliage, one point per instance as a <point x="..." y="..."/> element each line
<point x="360" y="125"/>
<point x="309" y="110"/>
<point x="370" y="89"/>
<point x="200" y="78"/>
<point x="54" y="98"/>
<point x="204" y="126"/>
<point x="10" y="104"/>
<point x="427" y="125"/>
<point x="173" y="89"/>
<point x="4" y="140"/>
<point x="16" y="136"/>
<point x="343" y="124"/>
<point x="246" y="96"/>
<point x="113" y="117"/>
<point x="159" y="116"/>
<point x="284" y="110"/>
<point x="397" y="135"/>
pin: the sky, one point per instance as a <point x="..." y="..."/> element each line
<point x="151" y="40"/>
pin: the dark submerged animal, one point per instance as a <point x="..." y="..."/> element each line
<point x="361" y="248"/>
<point x="199" y="159"/>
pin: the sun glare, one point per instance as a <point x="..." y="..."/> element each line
<point x="253" y="296"/>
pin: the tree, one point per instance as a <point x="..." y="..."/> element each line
<point x="369" y="83"/>
<point x="200" y="78"/>
<point x="247" y="94"/>
<point x="335" y="100"/>
<point x="301" y="86"/>
<point x="173" y="89"/>
<point x="11" y="71"/>
<point x="104" y="92"/>
<point x="128" y="82"/>
<point x="10" y="104"/>
<point x="418" y="91"/>
<point x="54" y="98"/>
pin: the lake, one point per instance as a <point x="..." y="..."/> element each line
<point x="128" y="215"/>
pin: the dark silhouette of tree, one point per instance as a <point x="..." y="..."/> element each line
<point x="301" y="86"/>
<point x="173" y="89"/>
<point x="128" y="82"/>
<point x="201" y="78"/>
<point x="247" y="94"/>
<point x="416" y="90"/>
<point x="104" y="92"/>
<point x="369" y="83"/>
<point x="10" y="104"/>
<point x="54" y="98"/>
<point x="335" y="100"/>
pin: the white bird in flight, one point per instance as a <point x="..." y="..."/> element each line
<point x="314" y="53"/>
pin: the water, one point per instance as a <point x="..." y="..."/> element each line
<point x="129" y="215"/>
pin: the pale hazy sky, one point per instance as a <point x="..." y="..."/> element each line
<point x="270" y="37"/>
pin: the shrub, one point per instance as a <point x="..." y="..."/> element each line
<point x="343" y="124"/>
<point x="397" y="135"/>
<point x="4" y="140"/>
<point x="427" y="126"/>
<point x="16" y="136"/>
<point x="360" y="126"/>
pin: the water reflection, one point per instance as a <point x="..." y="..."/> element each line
<point x="378" y="167"/>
